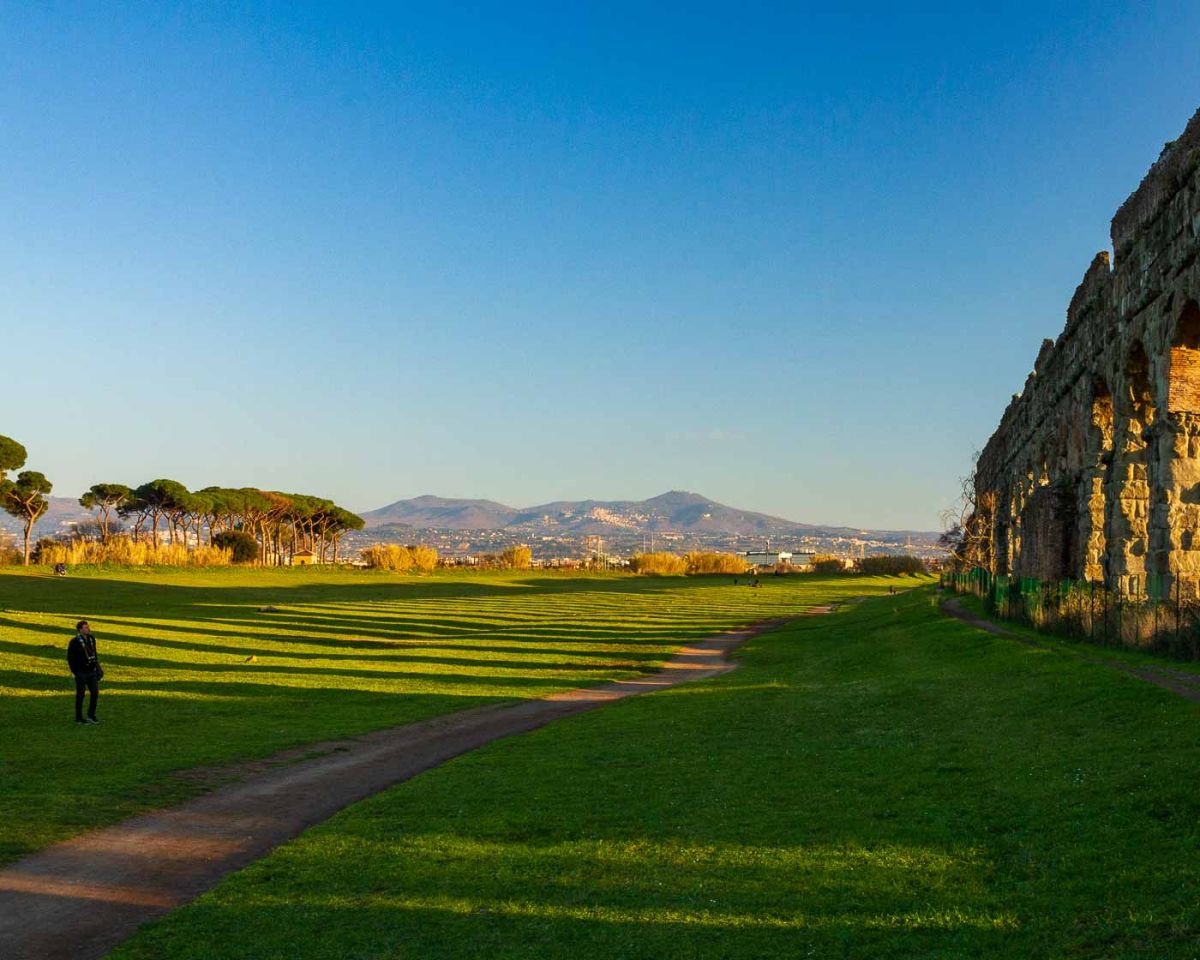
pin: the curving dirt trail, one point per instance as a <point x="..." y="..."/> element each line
<point x="81" y="898"/>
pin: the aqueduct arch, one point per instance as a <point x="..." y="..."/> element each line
<point x="1094" y="471"/>
<point x="1095" y="479"/>
<point x="1129" y="519"/>
<point x="1183" y="394"/>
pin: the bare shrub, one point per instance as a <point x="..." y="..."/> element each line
<point x="828" y="563"/>
<point x="516" y="558"/>
<point x="698" y="562"/>
<point x="663" y="564"/>
<point x="400" y="559"/>
<point x="890" y="565"/>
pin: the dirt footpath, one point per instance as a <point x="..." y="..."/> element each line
<point x="81" y="898"/>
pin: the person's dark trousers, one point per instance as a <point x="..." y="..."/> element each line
<point x="88" y="681"/>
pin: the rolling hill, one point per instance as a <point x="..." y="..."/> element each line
<point x="675" y="511"/>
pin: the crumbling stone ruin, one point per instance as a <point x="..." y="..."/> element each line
<point x="1094" y="471"/>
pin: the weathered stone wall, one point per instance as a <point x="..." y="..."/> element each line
<point x="1094" y="471"/>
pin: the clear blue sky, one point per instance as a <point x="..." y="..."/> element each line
<point x="792" y="257"/>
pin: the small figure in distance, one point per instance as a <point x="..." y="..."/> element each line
<point x="85" y="665"/>
<point x="60" y="569"/>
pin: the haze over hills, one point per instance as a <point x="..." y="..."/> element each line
<point x="442" y="512"/>
<point x="451" y="523"/>
<point x="674" y="511"/>
<point x="61" y="511"/>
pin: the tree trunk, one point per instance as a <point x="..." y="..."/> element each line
<point x="28" y="528"/>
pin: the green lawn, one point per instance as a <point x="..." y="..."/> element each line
<point x="1141" y="658"/>
<point x="344" y="652"/>
<point x="886" y="782"/>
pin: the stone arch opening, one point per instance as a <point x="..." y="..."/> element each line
<point x="1178" y="516"/>
<point x="1097" y="472"/>
<point x="1000" y="543"/>
<point x="1102" y="416"/>
<point x="1049" y="533"/>
<point x="1016" y="511"/>
<point x="1129" y="526"/>
<point x="1139" y="398"/>
<point x="1183" y="382"/>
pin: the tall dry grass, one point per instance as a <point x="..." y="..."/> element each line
<point x="125" y="552"/>
<point x="698" y="562"/>
<point x="661" y="563"/>
<point x="400" y="559"/>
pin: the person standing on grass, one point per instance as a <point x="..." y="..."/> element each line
<point x="85" y="665"/>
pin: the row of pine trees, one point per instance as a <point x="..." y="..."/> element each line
<point x="266" y="526"/>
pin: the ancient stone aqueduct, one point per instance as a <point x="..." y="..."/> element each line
<point x="1094" y="471"/>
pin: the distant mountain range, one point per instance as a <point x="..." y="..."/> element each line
<point x="61" y="510"/>
<point x="676" y="511"/>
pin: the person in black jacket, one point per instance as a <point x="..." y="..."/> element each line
<point x="85" y="665"/>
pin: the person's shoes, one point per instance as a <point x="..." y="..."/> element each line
<point x="91" y="720"/>
<point x="80" y="720"/>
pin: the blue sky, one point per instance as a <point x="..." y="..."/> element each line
<point x="794" y="258"/>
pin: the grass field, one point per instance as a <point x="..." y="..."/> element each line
<point x="881" y="783"/>
<point x="1132" y="656"/>
<point x="342" y="652"/>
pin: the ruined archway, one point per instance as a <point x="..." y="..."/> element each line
<point x="1019" y="496"/>
<point x="1098" y="460"/>
<point x="1048" y="526"/>
<point x="1183" y="394"/>
<point x="1001" y="548"/>
<point x="1129" y="486"/>
<point x="1180" y="524"/>
<point x="1123" y="379"/>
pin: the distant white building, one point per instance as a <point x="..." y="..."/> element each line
<point x="767" y="558"/>
<point x="770" y="559"/>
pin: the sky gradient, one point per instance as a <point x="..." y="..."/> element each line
<point x="793" y="258"/>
